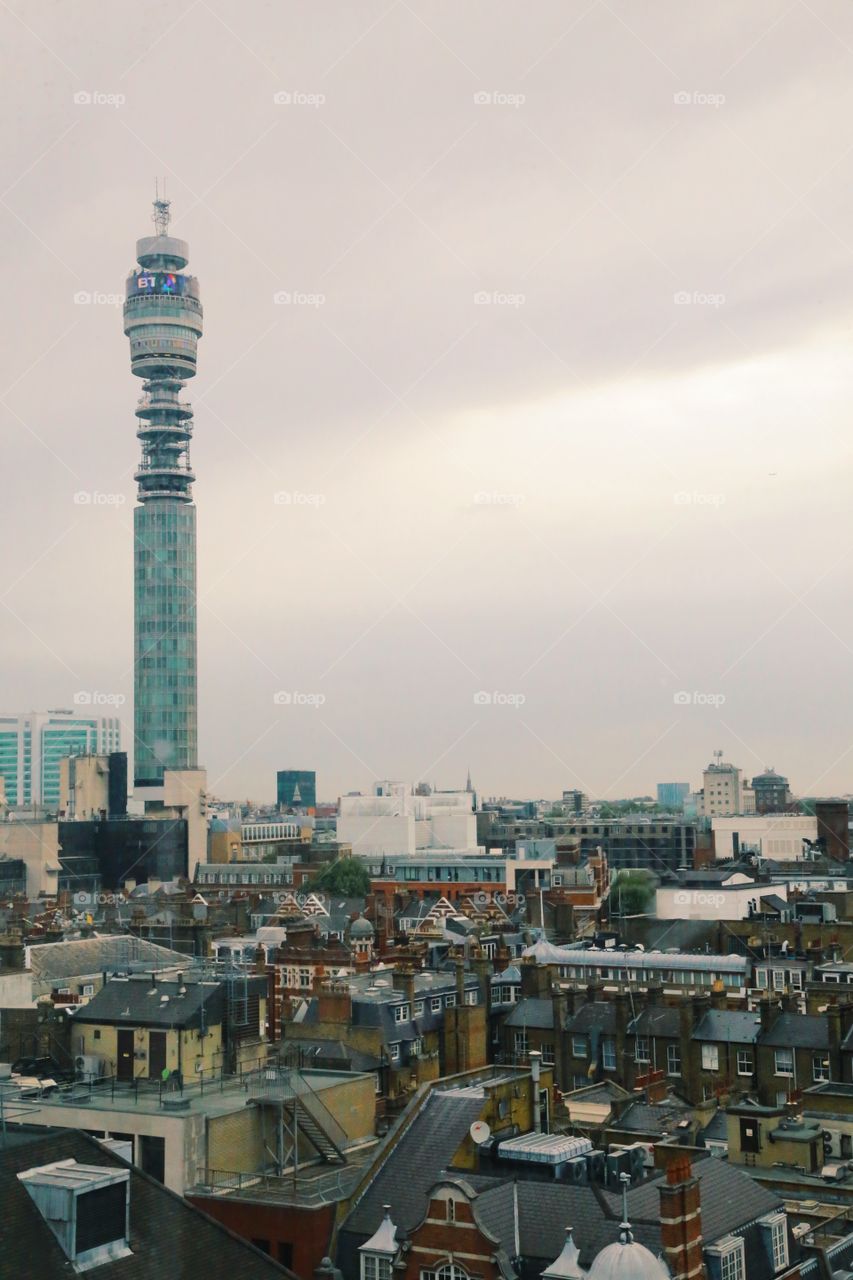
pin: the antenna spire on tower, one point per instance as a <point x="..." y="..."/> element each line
<point x="161" y="213"/>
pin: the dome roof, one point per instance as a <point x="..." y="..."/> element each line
<point x="566" y="1266"/>
<point x="361" y="928"/>
<point x="627" y="1260"/>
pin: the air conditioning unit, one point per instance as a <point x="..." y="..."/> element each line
<point x="89" y="1065"/>
<point x="596" y="1167"/>
<point x="616" y="1163"/>
<point x="574" y="1171"/>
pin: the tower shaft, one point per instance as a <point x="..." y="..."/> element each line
<point x="163" y="320"/>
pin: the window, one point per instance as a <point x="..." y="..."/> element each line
<point x="520" y="1044"/>
<point x="394" y="1050"/>
<point x="401" y="1013"/>
<point x="416" y="1048"/>
<point x="820" y="1067"/>
<point x="547" y="1055"/>
<point x="435" y="1004"/>
<point x="375" y="1266"/>
<point x="419" y="1008"/>
<point x="778" y="980"/>
<point x="710" y="1057"/>
<point x="578" y="1047"/>
<point x="608" y="1053"/>
<point x="88" y="989"/>
<point x="673" y="1060"/>
<point x="784" y="1062"/>
<point x="96" y="1035"/>
<point x="451" y="1271"/>
<point x="730" y="1253"/>
<point x="450" y="1001"/>
<point x="470" y="997"/>
<point x="642" y="1051"/>
<point x="776" y="1225"/>
<point x="744" y="1062"/>
<point x="451" y="1210"/>
<point x="796" y="979"/>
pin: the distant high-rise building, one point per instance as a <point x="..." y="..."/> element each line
<point x="296" y="789"/>
<point x="724" y="791"/>
<point x="32" y="744"/>
<point x="575" y="802"/>
<point x="771" y="791"/>
<point x="671" y="795"/>
<point x="163" y="320"/>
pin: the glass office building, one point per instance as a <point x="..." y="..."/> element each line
<point x="163" y="320"/>
<point x="32" y="743"/>
<point x="296" y="789"/>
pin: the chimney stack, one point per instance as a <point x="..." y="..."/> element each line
<point x="681" y="1221"/>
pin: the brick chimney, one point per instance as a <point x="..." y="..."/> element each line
<point x="681" y="1221"/>
<point x="404" y="980"/>
<point x="718" y="995"/>
<point x="769" y="1012"/>
<point x="334" y="1003"/>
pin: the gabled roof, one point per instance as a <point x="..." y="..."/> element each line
<point x="798" y="1031"/>
<point x="599" y="1015"/>
<point x="54" y="960"/>
<point x="136" y="1002"/>
<point x="659" y="1020"/>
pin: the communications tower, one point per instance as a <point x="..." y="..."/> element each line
<point x="163" y="320"/>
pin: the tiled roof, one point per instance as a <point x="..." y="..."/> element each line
<point x="532" y="1012"/>
<point x="660" y="1020"/>
<point x="728" y="1026"/>
<point x="135" y="1002"/>
<point x="167" y="1236"/>
<point x="798" y="1031"/>
<point x="599" y="1015"/>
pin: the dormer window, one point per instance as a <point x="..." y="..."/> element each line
<point x="379" y="1252"/>
<point x="775" y="1228"/>
<point x="87" y="1207"/>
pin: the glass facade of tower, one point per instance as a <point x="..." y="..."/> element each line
<point x="163" y="320"/>
<point x="165" y="638"/>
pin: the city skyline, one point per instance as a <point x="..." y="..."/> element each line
<point x="535" y="386"/>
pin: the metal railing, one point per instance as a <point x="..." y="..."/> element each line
<point x="146" y="1090"/>
<point x="324" y="1188"/>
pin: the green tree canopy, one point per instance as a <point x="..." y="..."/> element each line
<point x="631" y="893"/>
<point x="347" y="877"/>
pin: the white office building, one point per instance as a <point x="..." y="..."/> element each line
<point x="32" y="743"/>
<point x="393" y="820"/>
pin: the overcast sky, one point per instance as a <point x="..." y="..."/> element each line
<point x="561" y="400"/>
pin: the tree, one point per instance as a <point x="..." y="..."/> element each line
<point x="631" y="893"/>
<point x="346" y="877"/>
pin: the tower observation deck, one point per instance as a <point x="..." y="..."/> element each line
<point x="163" y="320"/>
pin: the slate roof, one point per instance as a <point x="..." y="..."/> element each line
<point x="533" y="1011"/>
<point x="168" y="1237"/>
<point x="336" y="1052"/>
<point x="728" y="1026"/>
<point x="128" y="1001"/>
<point x="599" y="1015"/>
<point x="797" y="1031"/>
<point x="661" y="1020"/>
<point x="652" y="1118"/>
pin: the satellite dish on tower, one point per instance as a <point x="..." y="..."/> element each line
<point x="480" y="1132"/>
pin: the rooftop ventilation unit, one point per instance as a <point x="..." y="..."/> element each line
<point x="87" y="1207"/>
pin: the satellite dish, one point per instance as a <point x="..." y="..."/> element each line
<point x="480" y="1132"/>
